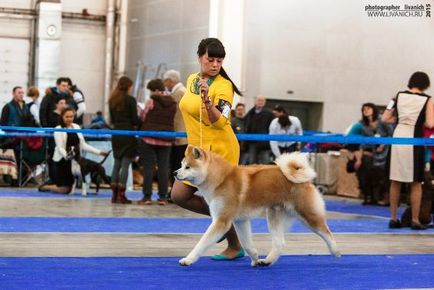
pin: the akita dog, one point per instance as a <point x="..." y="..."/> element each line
<point x="235" y="194"/>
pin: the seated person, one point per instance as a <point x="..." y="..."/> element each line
<point x="63" y="178"/>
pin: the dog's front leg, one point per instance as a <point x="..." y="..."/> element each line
<point x="83" y="188"/>
<point x="214" y="232"/>
<point x="244" y="231"/>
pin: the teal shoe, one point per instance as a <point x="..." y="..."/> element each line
<point x="241" y="253"/>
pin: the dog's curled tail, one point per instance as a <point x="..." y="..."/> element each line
<point x="295" y="167"/>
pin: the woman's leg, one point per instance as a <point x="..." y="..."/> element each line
<point x="122" y="182"/>
<point x="415" y="199"/>
<point x="183" y="195"/>
<point x="395" y="192"/>
<point x="147" y="157"/>
<point x="123" y="175"/>
<point x="115" y="171"/>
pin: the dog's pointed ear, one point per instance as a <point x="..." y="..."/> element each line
<point x="197" y="153"/>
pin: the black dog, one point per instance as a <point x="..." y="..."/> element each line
<point x="92" y="168"/>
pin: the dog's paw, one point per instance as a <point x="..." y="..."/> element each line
<point x="254" y="263"/>
<point x="185" y="262"/>
<point x="264" y="263"/>
<point x="337" y="254"/>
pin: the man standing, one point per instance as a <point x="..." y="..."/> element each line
<point x="48" y="104"/>
<point x="77" y="102"/>
<point x="258" y="121"/>
<point x="16" y="113"/>
<point x="172" y="81"/>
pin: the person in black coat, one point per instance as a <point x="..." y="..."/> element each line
<point x="258" y="121"/>
<point x="123" y="115"/>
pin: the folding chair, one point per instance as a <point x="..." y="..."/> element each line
<point x="33" y="161"/>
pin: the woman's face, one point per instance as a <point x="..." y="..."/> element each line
<point x="68" y="118"/>
<point x="61" y="104"/>
<point x="210" y="66"/>
<point x="367" y="111"/>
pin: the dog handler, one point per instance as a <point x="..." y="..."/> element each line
<point x="63" y="153"/>
<point x="209" y="98"/>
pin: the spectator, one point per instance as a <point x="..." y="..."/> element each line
<point x="33" y="103"/>
<point x="172" y="81"/>
<point x="76" y="102"/>
<point x="284" y="124"/>
<point x="370" y="158"/>
<point x="210" y="94"/>
<point x="48" y="103"/>
<point x="123" y="115"/>
<point x="238" y="123"/>
<point x="413" y="108"/>
<point x="160" y="112"/>
<point x="99" y="122"/>
<point x="258" y="121"/>
<point x="16" y="113"/>
<point x="68" y="146"/>
<point x="54" y="117"/>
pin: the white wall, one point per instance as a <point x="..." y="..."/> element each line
<point x="331" y="51"/>
<point x="82" y="50"/>
<point x="166" y="31"/>
<point x="82" y="59"/>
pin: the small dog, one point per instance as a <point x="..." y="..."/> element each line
<point x="81" y="167"/>
<point x="235" y="194"/>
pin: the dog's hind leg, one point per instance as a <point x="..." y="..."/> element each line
<point x="277" y="219"/>
<point x="319" y="226"/>
<point x="244" y="231"/>
<point x="214" y="232"/>
<point x="314" y="217"/>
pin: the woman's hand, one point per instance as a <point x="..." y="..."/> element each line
<point x="203" y="89"/>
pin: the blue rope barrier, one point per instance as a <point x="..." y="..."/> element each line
<point x="316" y="138"/>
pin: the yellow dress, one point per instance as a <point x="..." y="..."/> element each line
<point x="217" y="137"/>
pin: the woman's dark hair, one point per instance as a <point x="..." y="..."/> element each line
<point x="156" y="85"/>
<point x="56" y="101"/>
<point x="64" y="111"/>
<point x="283" y="120"/>
<point x="419" y="80"/>
<point x="215" y="48"/>
<point x="120" y="93"/>
<point x="365" y="120"/>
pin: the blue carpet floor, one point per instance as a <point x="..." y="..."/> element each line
<point x="176" y="225"/>
<point x="290" y="272"/>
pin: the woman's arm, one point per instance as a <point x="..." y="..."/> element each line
<point x="429" y="114"/>
<point x="273" y="144"/>
<point x="219" y="109"/>
<point x="60" y="140"/>
<point x="388" y="116"/>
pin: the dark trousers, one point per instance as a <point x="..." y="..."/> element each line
<point x="176" y="156"/>
<point x="372" y="180"/>
<point x="259" y="153"/>
<point x="148" y="155"/>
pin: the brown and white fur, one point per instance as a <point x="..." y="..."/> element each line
<point x="235" y="194"/>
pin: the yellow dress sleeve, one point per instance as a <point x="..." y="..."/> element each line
<point x="223" y="91"/>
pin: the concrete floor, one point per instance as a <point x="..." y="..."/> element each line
<point x="59" y="244"/>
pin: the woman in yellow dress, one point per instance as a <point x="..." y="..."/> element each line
<point x="217" y="92"/>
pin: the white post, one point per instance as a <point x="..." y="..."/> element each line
<point x="226" y="22"/>
<point x="110" y="30"/>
